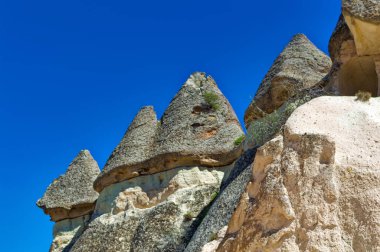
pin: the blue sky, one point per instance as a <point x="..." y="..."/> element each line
<point x="74" y="73"/>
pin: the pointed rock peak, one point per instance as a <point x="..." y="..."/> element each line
<point x="137" y="143"/>
<point x="72" y="190"/>
<point x="198" y="128"/>
<point x="298" y="44"/>
<point x="300" y="65"/>
<point x="196" y="79"/>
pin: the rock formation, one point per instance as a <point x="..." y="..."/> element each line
<point x="151" y="213"/>
<point x="305" y="178"/>
<point x="198" y="128"/>
<point x="70" y="199"/>
<point x="355" y="48"/>
<point x="300" y="65"/>
<point x="316" y="186"/>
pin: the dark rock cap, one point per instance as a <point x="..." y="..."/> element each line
<point x="366" y="10"/>
<point x="72" y="194"/>
<point x="198" y="128"/>
<point x="300" y="65"/>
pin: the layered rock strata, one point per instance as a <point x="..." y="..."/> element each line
<point x="70" y="200"/>
<point x="316" y="186"/>
<point x="198" y="128"/>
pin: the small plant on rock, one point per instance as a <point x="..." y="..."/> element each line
<point x="212" y="99"/>
<point x="239" y="140"/>
<point x="363" y="96"/>
<point x="213" y="195"/>
<point x="188" y="216"/>
<point x="213" y="237"/>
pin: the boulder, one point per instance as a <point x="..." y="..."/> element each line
<point x="299" y="66"/>
<point x="72" y="195"/>
<point x="316" y="186"/>
<point x="198" y="128"/>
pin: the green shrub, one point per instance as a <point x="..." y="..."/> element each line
<point x="212" y="99"/>
<point x="363" y="96"/>
<point x="239" y="140"/>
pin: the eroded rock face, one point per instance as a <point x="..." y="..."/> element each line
<point x="72" y="194"/>
<point x="367" y="10"/>
<point x="198" y="128"/>
<point x="151" y="213"/>
<point x="300" y="65"/>
<point x="207" y="234"/>
<point x="66" y="232"/>
<point x="355" y="49"/>
<point x="315" y="187"/>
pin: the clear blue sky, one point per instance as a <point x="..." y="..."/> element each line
<point x="74" y="73"/>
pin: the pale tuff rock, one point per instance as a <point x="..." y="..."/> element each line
<point x="72" y="194"/>
<point x="221" y="210"/>
<point x="300" y="65"/>
<point x="316" y="188"/>
<point x="151" y="213"/>
<point x="198" y="128"/>
<point x="66" y="232"/>
<point x="213" y="245"/>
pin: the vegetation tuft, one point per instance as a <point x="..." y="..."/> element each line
<point x="363" y="96"/>
<point x="239" y="140"/>
<point x="213" y="237"/>
<point x="188" y="216"/>
<point x="213" y="195"/>
<point x="212" y="99"/>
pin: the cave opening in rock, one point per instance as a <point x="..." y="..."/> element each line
<point x="358" y="73"/>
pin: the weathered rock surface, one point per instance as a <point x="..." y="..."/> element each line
<point x="341" y="44"/>
<point x="300" y="65"/>
<point x="72" y="194"/>
<point x="66" y="232"/>
<point x="316" y="188"/>
<point x="151" y="213"/>
<point x="363" y="19"/>
<point x="222" y="208"/>
<point x="136" y="145"/>
<point x="198" y="128"/>
<point x="367" y="10"/>
<point x="355" y="48"/>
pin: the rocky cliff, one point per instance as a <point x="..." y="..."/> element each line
<point x="305" y="177"/>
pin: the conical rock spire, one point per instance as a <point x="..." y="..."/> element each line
<point x="72" y="194"/>
<point x="198" y="128"/>
<point x="300" y="65"/>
